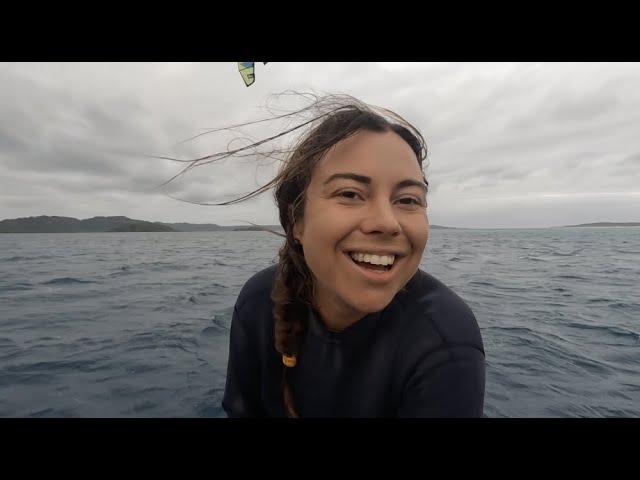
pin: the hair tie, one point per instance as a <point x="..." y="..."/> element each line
<point x="289" y="361"/>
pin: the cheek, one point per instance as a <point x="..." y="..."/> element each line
<point x="321" y="239"/>
<point x="417" y="231"/>
<point x="315" y="241"/>
<point x="322" y="228"/>
<point x="319" y="256"/>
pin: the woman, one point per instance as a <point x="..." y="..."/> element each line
<point x="346" y="324"/>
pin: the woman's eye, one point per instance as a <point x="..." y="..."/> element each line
<point x="348" y="194"/>
<point x="410" y="201"/>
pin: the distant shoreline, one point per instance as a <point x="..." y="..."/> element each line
<point x="54" y="224"/>
<point x="605" y="224"/>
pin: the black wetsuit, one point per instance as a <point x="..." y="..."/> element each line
<point x="422" y="356"/>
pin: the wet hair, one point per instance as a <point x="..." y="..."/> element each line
<point x="333" y="118"/>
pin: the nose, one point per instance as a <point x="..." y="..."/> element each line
<point x="381" y="218"/>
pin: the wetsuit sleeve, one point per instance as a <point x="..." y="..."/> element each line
<point x="240" y="397"/>
<point x="449" y="382"/>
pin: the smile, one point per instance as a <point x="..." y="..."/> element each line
<point x="370" y="266"/>
<point x="372" y="261"/>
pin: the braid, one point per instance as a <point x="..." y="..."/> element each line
<point x="291" y="295"/>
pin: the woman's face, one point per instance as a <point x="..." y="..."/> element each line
<point x="365" y="225"/>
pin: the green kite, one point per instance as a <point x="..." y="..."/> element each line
<point x="247" y="70"/>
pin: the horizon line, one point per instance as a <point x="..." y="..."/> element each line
<point x="280" y="226"/>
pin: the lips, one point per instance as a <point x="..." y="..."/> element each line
<point x="374" y="273"/>
<point x="372" y="259"/>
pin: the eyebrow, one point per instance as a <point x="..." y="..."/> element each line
<point x="367" y="180"/>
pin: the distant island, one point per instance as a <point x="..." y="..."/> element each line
<point x="47" y="224"/>
<point x="605" y="224"/>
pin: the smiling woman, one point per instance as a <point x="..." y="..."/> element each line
<point x="346" y="324"/>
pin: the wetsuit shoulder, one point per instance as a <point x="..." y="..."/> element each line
<point x="445" y="311"/>
<point x="440" y="358"/>
<point x="257" y="289"/>
<point x="250" y="335"/>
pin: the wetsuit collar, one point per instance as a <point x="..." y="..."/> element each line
<point x="318" y="328"/>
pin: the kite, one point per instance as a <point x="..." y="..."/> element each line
<point x="247" y="71"/>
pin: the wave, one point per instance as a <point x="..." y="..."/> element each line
<point x="532" y="258"/>
<point x="16" y="287"/>
<point x="614" y="331"/>
<point x="67" y="281"/>
<point x="18" y="258"/>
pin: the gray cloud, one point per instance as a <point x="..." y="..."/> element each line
<point x="632" y="159"/>
<point x="509" y="144"/>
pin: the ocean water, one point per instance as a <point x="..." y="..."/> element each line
<point x="137" y="324"/>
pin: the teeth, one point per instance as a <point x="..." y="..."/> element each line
<point x="373" y="259"/>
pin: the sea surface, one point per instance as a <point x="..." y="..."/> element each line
<point x="137" y="324"/>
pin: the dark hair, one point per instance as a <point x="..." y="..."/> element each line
<point x="333" y="119"/>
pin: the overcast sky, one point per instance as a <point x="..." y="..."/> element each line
<point x="510" y="145"/>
